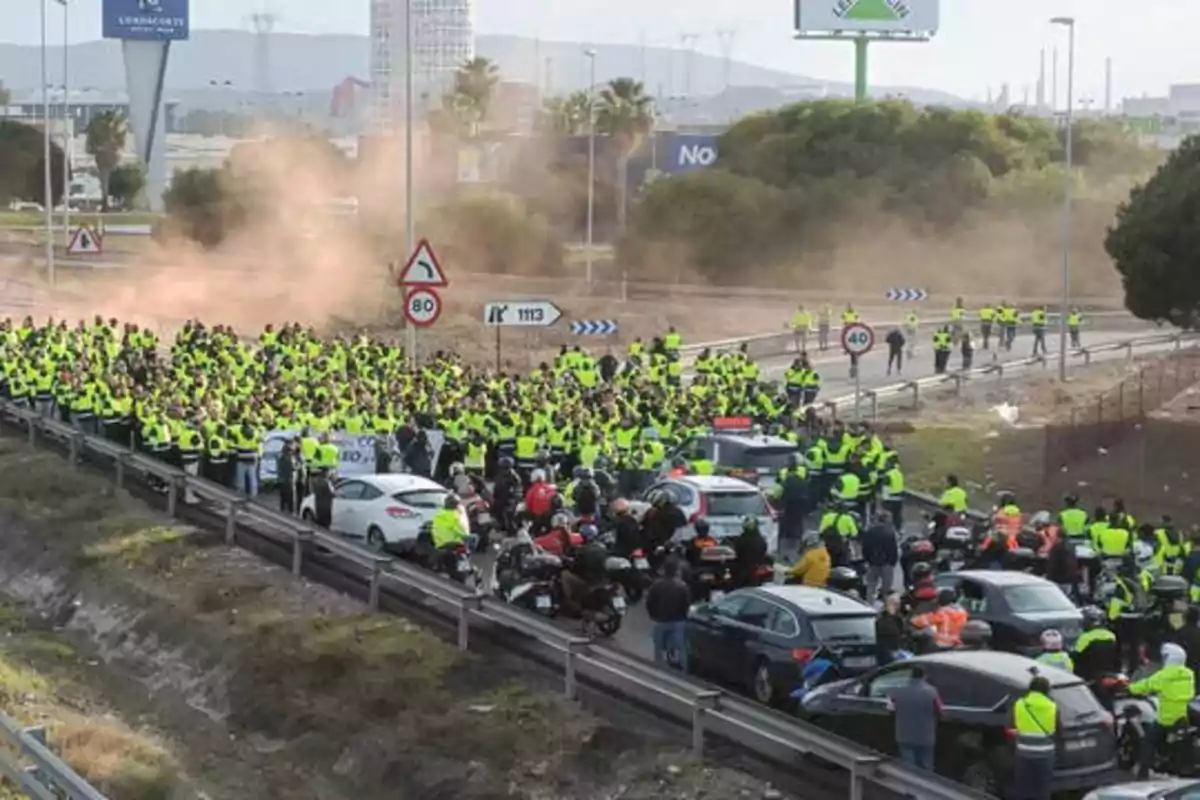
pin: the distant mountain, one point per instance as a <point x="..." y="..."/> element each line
<point x="314" y="64"/>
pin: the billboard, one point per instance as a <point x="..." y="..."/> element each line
<point x="146" y="20"/>
<point x="867" y="16"/>
<point x="688" y="152"/>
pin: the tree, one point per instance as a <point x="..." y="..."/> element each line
<point x="125" y="185"/>
<point x="488" y="231"/>
<point x="467" y="103"/>
<point x="626" y="113"/>
<point x="5" y="99"/>
<point x="204" y="205"/>
<point x="1155" y="241"/>
<point x="22" y="165"/>
<point x="106" y="135"/>
<point x="566" y="115"/>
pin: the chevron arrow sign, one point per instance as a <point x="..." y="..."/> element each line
<point x="593" y="327"/>
<point x="906" y="294"/>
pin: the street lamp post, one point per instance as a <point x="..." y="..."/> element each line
<point x="48" y="189"/>
<point x="68" y="130"/>
<point x="591" y="193"/>
<point x="1069" y="23"/>
<point x="409" y="234"/>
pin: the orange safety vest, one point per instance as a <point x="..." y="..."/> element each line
<point x="946" y="622"/>
<point x="1008" y="523"/>
<point x="1010" y="542"/>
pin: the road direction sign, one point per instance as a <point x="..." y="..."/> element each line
<point x="422" y="268"/>
<point x="521" y="313"/>
<point x="906" y="294"/>
<point x="857" y="338"/>
<point x="593" y="327"/>
<point x="85" y="241"/>
<point x="422" y="307"/>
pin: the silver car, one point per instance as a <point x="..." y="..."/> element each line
<point x="720" y="501"/>
<point x="1165" y="789"/>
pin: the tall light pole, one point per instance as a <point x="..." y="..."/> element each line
<point x="409" y="236"/>
<point x="591" y="193"/>
<point x="48" y="199"/>
<point x="68" y="130"/>
<point x="1069" y="23"/>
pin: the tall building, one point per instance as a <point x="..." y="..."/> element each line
<point x="443" y="38"/>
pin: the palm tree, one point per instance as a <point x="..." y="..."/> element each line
<point x="474" y="84"/>
<point x="566" y="115"/>
<point x="625" y="113"/>
<point x="5" y="99"/>
<point x="106" y="135"/>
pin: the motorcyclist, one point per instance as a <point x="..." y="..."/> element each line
<point x="460" y="482"/>
<point x="585" y="496"/>
<point x="1170" y="548"/>
<point x="976" y="635"/>
<point x="626" y="530"/>
<point x="1095" y="652"/>
<point x="662" y="520"/>
<point x="448" y="531"/>
<point x="1124" y="608"/>
<point x="1175" y="686"/>
<point x="506" y="492"/>
<point x="558" y="539"/>
<point x="751" y="550"/>
<point x="1073" y="520"/>
<point x="946" y="621"/>
<point x="538" y="499"/>
<point x="1052" y="651"/>
<point x="923" y="594"/>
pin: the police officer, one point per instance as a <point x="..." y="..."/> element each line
<point x="1035" y="718"/>
<point x="958" y="315"/>
<point x="953" y="496"/>
<point x="791" y="496"/>
<point x="1038" y="320"/>
<point x="987" y="315"/>
<point x="447" y="530"/>
<point x="1073" y="520"/>
<point x="1175" y="687"/>
<point x="1052" y="651"/>
<point x="1096" y="653"/>
<point x="1074" y="320"/>
<point x="801" y="324"/>
<point x="942" y="344"/>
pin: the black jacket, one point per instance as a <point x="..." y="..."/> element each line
<point x="895" y="341"/>
<point x="668" y="600"/>
<point x="628" y="535"/>
<point x="889" y="636"/>
<point x="880" y="546"/>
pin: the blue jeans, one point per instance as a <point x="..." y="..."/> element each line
<point x="245" y="477"/>
<point x="918" y="755"/>
<point x="670" y="636"/>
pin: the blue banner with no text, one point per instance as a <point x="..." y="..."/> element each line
<point x="146" y="20"/>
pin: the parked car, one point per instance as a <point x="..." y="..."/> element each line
<point x="755" y="459"/>
<point x="975" y="742"/>
<point x="761" y="639"/>
<point x="720" y="501"/>
<point x="385" y="511"/>
<point x="1017" y="605"/>
<point x="1167" y="789"/>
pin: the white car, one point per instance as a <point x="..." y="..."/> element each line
<point x="1165" y="789"/>
<point x="387" y="511"/>
<point x="720" y="501"/>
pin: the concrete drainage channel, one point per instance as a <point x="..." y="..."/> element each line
<point x="715" y="719"/>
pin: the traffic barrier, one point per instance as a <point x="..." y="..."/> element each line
<point x="49" y="778"/>
<point x="957" y="381"/>
<point x="707" y="711"/>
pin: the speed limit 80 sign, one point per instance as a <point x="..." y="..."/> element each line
<point x="857" y="338"/>
<point x="422" y="307"/>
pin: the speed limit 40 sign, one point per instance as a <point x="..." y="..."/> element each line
<point x="857" y="338"/>
<point x="422" y="307"/>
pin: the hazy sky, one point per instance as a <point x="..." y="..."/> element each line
<point x="981" y="42"/>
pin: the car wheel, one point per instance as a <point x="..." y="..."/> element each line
<point x="761" y="686"/>
<point x="980" y="775"/>
<point x="308" y="516"/>
<point x="375" y="538"/>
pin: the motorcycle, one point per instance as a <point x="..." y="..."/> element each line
<point x="956" y="549"/>
<point x="525" y="576"/>
<point x="712" y="575"/>
<point x="1177" y="750"/>
<point x="604" y="612"/>
<point x="460" y="568"/>
<point x="480" y="520"/>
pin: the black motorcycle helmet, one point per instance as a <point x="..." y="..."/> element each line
<point x="843" y="579"/>
<point x="749" y="524"/>
<point x="505" y="462"/>
<point x="1093" y="618"/>
<point x="921" y="571"/>
<point x="556" y="503"/>
<point x="701" y="528"/>
<point x="976" y="635"/>
<point x="947" y="597"/>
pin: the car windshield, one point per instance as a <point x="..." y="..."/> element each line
<point x="1037" y="598"/>
<point x="1076" y="704"/>
<point x="844" y="628"/>
<point x="736" y="504"/>
<point x="773" y="458"/>
<point x="422" y="498"/>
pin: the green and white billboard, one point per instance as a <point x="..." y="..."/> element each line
<point x="867" y="16"/>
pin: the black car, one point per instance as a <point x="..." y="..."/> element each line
<point x="975" y="740"/>
<point x="762" y="638"/>
<point x="756" y="459"/>
<point x="1018" y="606"/>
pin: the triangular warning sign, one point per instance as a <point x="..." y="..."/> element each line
<point x="85" y="241"/>
<point x="422" y="268"/>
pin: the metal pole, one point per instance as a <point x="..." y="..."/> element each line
<point x="47" y="183"/>
<point x="860" y="69"/>
<point x="1069" y="22"/>
<point x="591" y="194"/>
<point x="409" y="235"/>
<point x="857" y="392"/>
<point x="68" y="132"/>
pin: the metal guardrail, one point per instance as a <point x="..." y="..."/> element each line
<point x="49" y="778"/>
<point x="708" y="712"/>
<point x="960" y="380"/>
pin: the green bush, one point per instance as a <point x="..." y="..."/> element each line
<point x="486" y="231"/>
<point x="22" y="165"/>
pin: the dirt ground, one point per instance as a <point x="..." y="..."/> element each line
<point x="224" y="677"/>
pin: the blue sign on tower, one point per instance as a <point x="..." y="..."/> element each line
<point x="146" y="20"/>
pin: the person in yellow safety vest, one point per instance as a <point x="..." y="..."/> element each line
<point x="958" y="316"/>
<point x="672" y="341"/>
<point x="1124" y="607"/>
<point x="1074" y="320"/>
<point x="912" y="324"/>
<point x="1170" y="548"/>
<point x="847" y="489"/>
<point x="1009" y="317"/>
<point x="328" y="456"/>
<point x="793" y="379"/>
<point x="1035" y="719"/>
<point x="1073" y="520"/>
<point x="526" y="449"/>
<point x="248" y="445"/>
<point x="1007" y="519"/>
<point x="987" y="315"/>
<point x="475" y="458"/>
<point x="1037" y="319"/>
<point x="802" y="322"/>
<point x="953" y="495"/>
<point x="636" y="348"/>
<point x="943" y="342"/>
<point x="1175" y="687"/>
<point x="840" y="520"/>
<point x="824" y="323"/>
<point x="893" y="493"/>
<point x="1114" y="540"/>
<point x="447" y="530"/>
<point x="850" y="315"/>
<point x="1052" y="654"/>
